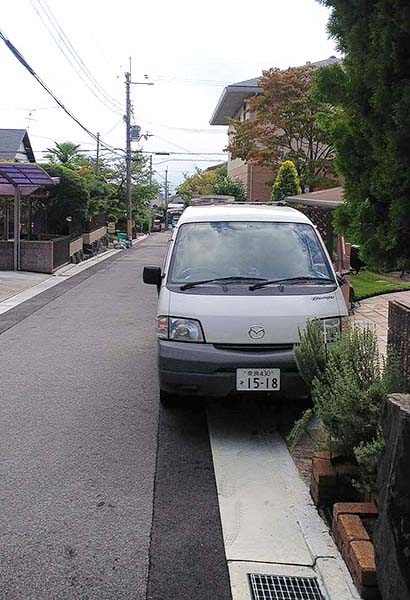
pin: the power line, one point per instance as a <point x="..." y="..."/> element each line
<point x="202" y="82"/>
<point x="193" y="160"/>
<point x="32" y="72"/>
<point x="84" y="73"/>
<point x="32" y="108"/>
<point x="187" y="129"/>
<point x="114" y="126"/>
<point x="66" y="41"/>
<point x="54" y="139"/>
<point x="184" y="153"/>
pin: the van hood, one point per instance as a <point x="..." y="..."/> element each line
<point x="255" y="320"/>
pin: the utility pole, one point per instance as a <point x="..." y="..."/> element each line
<point x="166" y="187"/>
<point x="128" y="150"/>
<point x="150" y="207"/>
<point x="127" y="119"/>
<point x="97" y="158"/>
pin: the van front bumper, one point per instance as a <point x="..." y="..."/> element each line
<point x="209" y="370"/>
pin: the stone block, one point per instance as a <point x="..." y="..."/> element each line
<point x="323" y="472"/>
<point x="323" y="455"/>
<point x="362" y="509"/>
<point x="361" y="554"/>
<point x="352" y="529"/>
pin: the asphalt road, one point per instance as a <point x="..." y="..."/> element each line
<point x="102" y="495"/>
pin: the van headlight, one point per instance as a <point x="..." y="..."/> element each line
<point x="179" y="329"/>
<point x="331" y="329"/>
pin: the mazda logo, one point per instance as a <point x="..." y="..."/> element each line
<point x="256" y="333"/>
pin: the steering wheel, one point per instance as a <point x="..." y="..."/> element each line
<point x="200" y="272"/>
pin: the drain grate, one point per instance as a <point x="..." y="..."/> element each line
<point x="275" y="587"/>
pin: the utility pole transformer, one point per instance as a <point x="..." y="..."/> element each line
<point x="128" y="151"/>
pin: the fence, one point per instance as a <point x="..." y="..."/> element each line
<point x="398" y="338"/>
<point x="61" y="251"/>
<point x="39" y="256"/>
<point x="322" y="218"/>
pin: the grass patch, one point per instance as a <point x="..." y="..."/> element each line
<point x="367" y="284"/>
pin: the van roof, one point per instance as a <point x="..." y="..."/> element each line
<point x="242" y="212"/>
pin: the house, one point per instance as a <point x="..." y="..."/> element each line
<point x="215" y="167"/>
<point x="15" y="145"/>
<point x="232" y="104"/>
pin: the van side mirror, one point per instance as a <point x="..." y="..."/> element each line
<point x="152" y="276"/>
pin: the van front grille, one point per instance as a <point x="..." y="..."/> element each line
<point x="254" y="347"/>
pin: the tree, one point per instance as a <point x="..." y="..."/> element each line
<point x="83" y="193"/>
<point x="226" y="186"/>
<point x="204" y="183"/>
<point x="69" y="198"/>
<point x="201" y="183"/>
<point x="284" y="126"/>
<point x="143" y="189"/>
<point x="370" y="127"/>
<point x="63" y="153"/>
<point x="286" y="182"/>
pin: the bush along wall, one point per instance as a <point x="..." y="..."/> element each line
<point x="349" y="384"/>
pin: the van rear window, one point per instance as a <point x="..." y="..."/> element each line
<point x="267" y="250"/>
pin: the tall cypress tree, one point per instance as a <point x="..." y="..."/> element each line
<point x="370" y="127"/>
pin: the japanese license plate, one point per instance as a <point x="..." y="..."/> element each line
<point x="262" y="380"/>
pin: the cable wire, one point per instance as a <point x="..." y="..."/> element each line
<point x="63" y="36"/>
<point x="32" y="72"/>
<point x="75" y="61"/>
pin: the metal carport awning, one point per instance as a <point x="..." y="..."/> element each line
<point x="22" y="179"/>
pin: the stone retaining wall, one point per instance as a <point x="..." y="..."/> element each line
<point x="392" y="536"/>
<point x="398" y="338"/>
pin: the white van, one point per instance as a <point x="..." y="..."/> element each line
<point x="238" y="283"/>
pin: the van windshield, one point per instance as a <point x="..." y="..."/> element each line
<point x="260" y="250"/>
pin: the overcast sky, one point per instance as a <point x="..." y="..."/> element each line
<point x="190" y="50"/>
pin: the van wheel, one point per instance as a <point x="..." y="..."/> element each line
<point x="169" y="400"/>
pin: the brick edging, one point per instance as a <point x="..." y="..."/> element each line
<point x="355" y="545"/>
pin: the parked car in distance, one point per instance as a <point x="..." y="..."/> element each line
<point x="238" y="284"/>
<point x="156" y="226"/>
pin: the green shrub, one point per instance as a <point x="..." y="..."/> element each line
<point x="349" y="395"/>
<point x="310" y="353"/>
<point x="349" y="386"/>
<point x="286" y="182"/>
<point x="367" y="457"/>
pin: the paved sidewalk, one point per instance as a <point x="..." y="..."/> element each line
<point x="375" y="311"/>
<point x="18" y="286"/>
<point x="12" y="282"/>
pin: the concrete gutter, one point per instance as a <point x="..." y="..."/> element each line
<point x="269" y="522"/>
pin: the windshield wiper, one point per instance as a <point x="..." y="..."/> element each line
<point x="325" y="280"/>
<point x="230" y="279"/>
